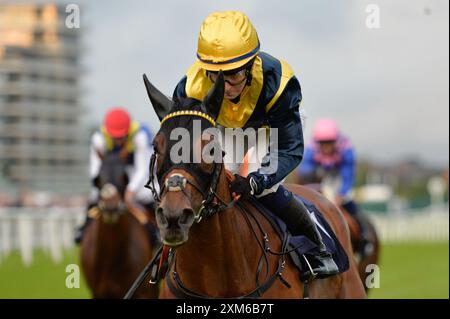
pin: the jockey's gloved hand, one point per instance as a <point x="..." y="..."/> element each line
<point x="258" y="182"/>
<point x="241" y="186"/>
<point x="253" y="184"/>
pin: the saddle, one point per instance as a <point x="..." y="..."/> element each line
<point x="301" y="247"/>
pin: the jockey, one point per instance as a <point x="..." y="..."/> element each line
<point x="332" y="154"/>
<point x="260" y="91"/>
<point x="132" y="141"/>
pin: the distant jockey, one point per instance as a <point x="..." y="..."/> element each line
<point x="331" y="154"/>
<point x="132" y="140"/>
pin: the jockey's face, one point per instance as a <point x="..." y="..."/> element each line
<point x="234" y="83"/>
<point x="119" y="141"/>
<point x="327" y="147"/>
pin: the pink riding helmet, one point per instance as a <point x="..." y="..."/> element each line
<point x="325" y="130"/>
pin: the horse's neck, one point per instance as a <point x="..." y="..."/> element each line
<point x="215" y="249"/>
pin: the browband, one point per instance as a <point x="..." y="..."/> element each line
<point x="189" y="113"/>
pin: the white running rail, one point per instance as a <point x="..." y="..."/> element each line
<point x="52" y="229"/>
<point x="26" y="229"/>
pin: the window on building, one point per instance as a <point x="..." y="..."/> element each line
<point x="13" y="98"/>
<point x="70" y="101"/>
<point x="34" y="77"/>
<point x="13" y="77"/>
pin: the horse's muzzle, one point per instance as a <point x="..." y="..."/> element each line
<point x="174" y="225"/>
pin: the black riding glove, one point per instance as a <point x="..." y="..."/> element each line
<point x="246" y="186"/>
<point x="241" y="186"/>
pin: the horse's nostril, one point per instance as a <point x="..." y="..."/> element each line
<point x="187" y="216"/>
<point x="161" y="219"/>
<point x="173" y="220"/>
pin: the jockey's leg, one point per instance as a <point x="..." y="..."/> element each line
<point x="355" y="212"/>
<point x="299" y="222"/>
<point x="92" y="202"/>
<point x="281" y="201"/>
<point x="79" y="232"/>
<point x="145" y="200"/>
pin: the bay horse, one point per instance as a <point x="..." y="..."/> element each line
<point x="371" y="256"/>
<point x="328" y="187"/>
<point x="115" y="246"/>
<point x="223" y="247"/>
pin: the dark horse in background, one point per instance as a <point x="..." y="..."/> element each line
<point x="116" y="246"/>
<point x="363" y="258"/>
<point x="224" y="247"/>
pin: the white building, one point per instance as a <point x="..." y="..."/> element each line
<point x="43" y="145"/>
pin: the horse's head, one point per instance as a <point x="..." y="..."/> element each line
<point x="188" y="160"/>
<point x="111" y="182"/>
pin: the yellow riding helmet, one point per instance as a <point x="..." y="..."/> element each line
<point x="227" y="41"/>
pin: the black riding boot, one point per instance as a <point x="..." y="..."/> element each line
<point x="299" y="222"/>
<point x="364" y="246"/>
<point x="79" y="232"/>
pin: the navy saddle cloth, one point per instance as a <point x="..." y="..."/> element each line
<point x="304" y="245"/>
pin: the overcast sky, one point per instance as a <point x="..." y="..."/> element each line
<point x="386" y="87"/>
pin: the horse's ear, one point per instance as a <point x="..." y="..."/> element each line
<point x="213" y="101"/>
<point x="161" y="103"/>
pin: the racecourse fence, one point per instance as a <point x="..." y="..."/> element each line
<point x="27" y="229"/>
<point x="52" y="229"/>
<point x="428" y="224"/>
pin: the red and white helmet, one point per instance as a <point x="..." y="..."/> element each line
<point x="325" y="130"/>
<point x="117" y="122"/>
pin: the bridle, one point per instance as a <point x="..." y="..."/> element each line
<point x="177" y="182"/>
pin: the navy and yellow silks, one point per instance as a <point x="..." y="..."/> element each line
<point x="272" y="99"/>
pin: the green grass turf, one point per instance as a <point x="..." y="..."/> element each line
<point x="42" y="279"/>
<point x="412" y="270"/>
